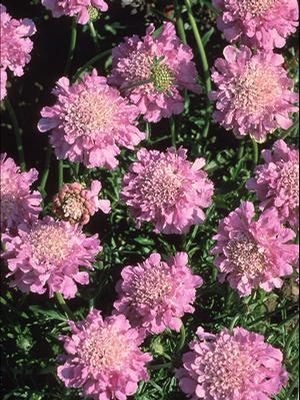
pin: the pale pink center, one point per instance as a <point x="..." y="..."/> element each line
<point x="289" y="181"/>
<point x="49" y="243"/>
<point x="227" y="368"/>
<point x="9" y="194"/>
<point x="106" y="349"/>
<point x="257" y="90"/>
<point x="73" y="207"/>
<point x="161" y="184"/>
<point x="255" y="7"/>
<point x="138" y="67"/>
<point x="247" y="257"/>
<point x="89" y="114"/>
<point x="151" y="287"/>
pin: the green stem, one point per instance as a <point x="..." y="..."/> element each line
<point x="241" y="150"/>
<point x="148" y="131"/>
<point x="93" y="33"/>
<point x="255" y="153"/>
<point x="64" y="306"/>
<point x="18" y="134"/>
<point x="173" y="131"/>
<point x="46" y="170"/>
<point x="72" y="46"/>
<point x="91" y="62"/>
<point x="160" y="366"/>
<point x="181" y="339"/>
<point x="60" y="173"/>
<point x="179" y="23"/>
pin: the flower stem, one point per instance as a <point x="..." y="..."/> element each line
<point x="160" y="366"/>
<point x="18" y="134"/>
<point x="90" y="62"/>
<point x="181" y="339"/>
<point x="255" y="153"/>
<point x="173" y="131"/>
<point x="93" y="33"/>
<point x="64" y="306"/>
<point x="60" y="173"/>
<point x="73" y="40"/>
<point x="46" y="170"/>
<point x="179" y="23"/>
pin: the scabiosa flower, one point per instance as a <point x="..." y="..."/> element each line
<point x="90" y="122"/>
<point x="50" y="253"/>
<point x="167" y="190"/>
<point x="153" y="70"/>
<point x="237" y="365"/>
<point x="3" y="80"/>
<point x="258" y="23"/>
<point x="251" y="253"/>
<point x="76" y="204"/>
<point x="276" y="182"/>
<point x="18" y="203"/>
<point x="83" y="10"/>
<point x="253" y="93"/>
<point x="155" y="294"/>
<point x="103" y="357"/>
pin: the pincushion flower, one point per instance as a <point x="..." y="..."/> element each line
<point x="103" y="357"/>
<point x="276" y="182"/>
<point x="252" y="254"/>
<point x="49" y="254"/>
<point x="3" y="80"/>
<point x="237" y="365"/>
<point x="90" y="121"/>
<point x="83" y="10"/>
<point x="76" y="204"/>
<point x="258" y="23"/>
<point x="15" y="45"/>
<point x="152" y="72"/>
<point x="154" y="295"/>
<point x="253" y="93"/>
<point x="19" y="204"/>
<point x="167" y="190"/>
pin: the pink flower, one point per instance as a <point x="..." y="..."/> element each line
<point x="90" y="122"/>
<point x="3" y="80"/>
<point x="153" y="70"/>
<point x="75" y="204"/>
<point x="18" y="203"/>
<point x="253" y="93"/>
<point x="155" y="295"/>
<point x="50" y="253"/>
<point x="276" y="182"/>
<point x="236" y="365"/>
<point x="258" y="23"/>
<point x="104" y="358"/>
<point x="254" y="254"/>
<point x="83" y="10"/>
<point x="167" y="190"/>
<point x="15" y="43"/>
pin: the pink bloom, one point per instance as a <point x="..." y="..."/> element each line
<point x="14" y="42"/>
<point x="276" y="182"/>
<point x="82" y="9"/>
<point x="18" y="203"/>
<point x="155" y="295"/>
<point x="49" y="253"/>
<point x="90" y="122"/>
<point x="3" y="80"/>
<point x="254" y="254"/>
<point x="258" y="23"/>
<point x="104" y="358"/>
<point x="75" y="204"/>
<point x="167" y="190"/>
<point x="236" y="365"/>
<point x="253" y="93"/>
<point x="163" y="63"/>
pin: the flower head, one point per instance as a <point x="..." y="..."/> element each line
<point x="153" y="70"/>
<point x="50" y="253"/>
<point x="90" y="122"/>
<point x="103" y="357"/>
<point x="258" y="23"/>
<point x="18" y="203"/>
<point x="253" y="93"/>
<point x="168" y="190"/>
<point x="76" y="204"/>
<point x="236" y="365"/>
<point x="84" y="11"/>
<point x="254" y="254"/>
<point x="154" y="295"/>
<point x="3" y="80"/>
<point x="276" y="182"/>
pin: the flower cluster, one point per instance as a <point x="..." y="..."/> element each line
<point x="232" y="365"/>
<point x="276" y="182"/>
<point x="49" y="253"/>
<point x="153" y="70"/>
<point x="253" y="93"/>
<point x="154" y="295"/>
<point x="167" y="190"/>
<point x="84" y="11"/>
<point x="76" y="204"/>
<point x="104" y="357"/>
<point x="254" y="254"/>
<point x="90" y="122"/>
<point x="18" y="203"/>
<point x="15" y="46"/>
